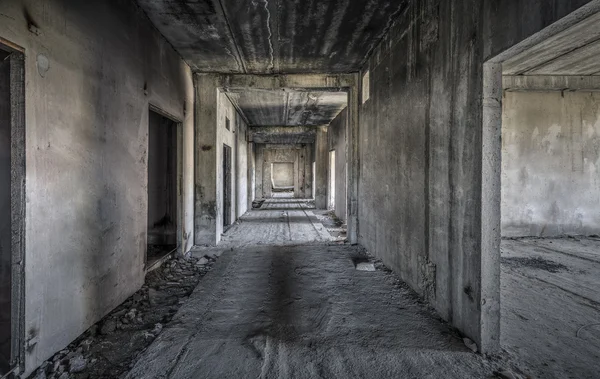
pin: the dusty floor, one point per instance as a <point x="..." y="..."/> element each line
<point x="302" y="310"/>
<point x="284" y="300"/>
<point x="551" y="305"/>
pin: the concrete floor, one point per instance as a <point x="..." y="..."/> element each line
<point x="551" y="306"/>
<point x="284" y="301"/>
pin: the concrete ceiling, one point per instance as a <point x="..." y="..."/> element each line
<point x="273" y="36"/>
<point x="575" y="51"/>
<point x="287" y="107"/>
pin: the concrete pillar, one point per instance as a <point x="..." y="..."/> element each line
<point x="491" y="207"/>
<point x="206" y="160"/>
<point x="352" y="161"/>
<point x="322" y="166"/>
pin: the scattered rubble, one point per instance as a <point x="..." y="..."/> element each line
<point x="109" y="348"/>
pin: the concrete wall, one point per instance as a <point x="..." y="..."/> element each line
<point x="5" y="212"/>
<point x="299" y="155"/>
<point x="336" y="132"/>
<point x="242" y="179"/>
<point x="421" y="148"/>
<point x="550" y="163"/>
<point x="236" y="139"/>
<point x="283" y="174"/>
<point x="92" y="73"/>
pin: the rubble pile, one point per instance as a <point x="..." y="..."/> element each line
<point x="109" y="348"/>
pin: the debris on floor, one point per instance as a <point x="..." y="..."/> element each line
<point x="109" y="348"/>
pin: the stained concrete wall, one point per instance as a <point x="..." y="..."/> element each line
<point x="421" y="148"/>
<point x="336" y="132"/>
<point x="5" y="211"/>
<point x="242" y="179"/>
<point x="550" y="163"/>
<point x="234" y="138"/>
<point x="92" y="71"/>
<point x="299" y="155"/>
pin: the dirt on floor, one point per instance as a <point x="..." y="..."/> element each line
<point x="109" y="348"/>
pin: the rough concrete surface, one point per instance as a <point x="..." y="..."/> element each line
<point x="551" y="306"/>
<point x="550" y="163"/>
<point x="421" y="147"/>
<point x="271" y="36"/>
<point x="336" y="132"/>
<point x="303" y="311"/>
<point x="88" y="93"/>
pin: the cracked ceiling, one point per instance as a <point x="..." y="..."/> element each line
<point x="273" y="36"/>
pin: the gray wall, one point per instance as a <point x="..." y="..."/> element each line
<point x="420" y="146"/>
<point x="283" y="174"/>
<point x="87" y="128"/>
<point x="337" y="141"/>
<point x="5" y="211"/>
<point x="299" y="155"/>
<point x="236" y="139"/>
<point x="212" y="109"/>
<point x="550" y="163"/>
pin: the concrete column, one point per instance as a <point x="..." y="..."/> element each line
<point x="206" y="160"/>
<point x="322" y="163"/>
<point x="491" y="207"/>
<point x="352" y="161"/>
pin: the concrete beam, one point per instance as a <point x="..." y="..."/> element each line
<point x="323" y="82"/>
<point x="282" y="134"/>
<point x="550" y="83"/>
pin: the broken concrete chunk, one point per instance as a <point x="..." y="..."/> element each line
<point x="77" y="364"/>
<point x="470" y="344"/>
<point x="202" y="261"/>
<point x="108" y="327"/>
<point x="365" y="266"/>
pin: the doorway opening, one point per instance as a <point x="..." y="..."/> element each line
<point x="5" y="221"/>
<point x="541" y="196"/>
<point x="227" y="185"/>
<point x="164" y="224"/>
<point x="282" y="179"/>
<point x="12" y="208"/>
<point x="331" y="191"/>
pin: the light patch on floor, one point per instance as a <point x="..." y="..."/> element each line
<point x="551" y="305"/>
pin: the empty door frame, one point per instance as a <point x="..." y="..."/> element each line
<point x="492" y="94"/>
<point x="17" y="201"/>
<point x="179" y="153"/>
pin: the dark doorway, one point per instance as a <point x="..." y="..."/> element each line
<point x="5" y="214"/>
<point x="162" y="187"/>
<point x="12" y="208"/>
<point x="226" y="185"/>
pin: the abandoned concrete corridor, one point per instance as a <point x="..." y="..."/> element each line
<point x="302" y="311"/>
<point x="299" y="188"/>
